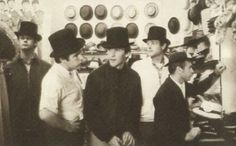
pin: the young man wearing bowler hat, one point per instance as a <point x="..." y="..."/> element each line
<point x="112" y="96"/>
<point x="172" y="118"/>
<point x="152" y="73"/>
<point x="24" y="78"/>
<point x="61" y="104"/>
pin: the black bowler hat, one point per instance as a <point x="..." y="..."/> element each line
<point x="64" y="42"/>
<point x="30" y="29"/>
<point x="157" y="33"/>
<point x="178" y="57"/>
<point x="117" y="37"/>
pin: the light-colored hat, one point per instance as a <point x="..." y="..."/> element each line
<point x="70" y="12"/>
<point x="117" y="12"/>
<point x="100" y="30"/>
<point x="131" y="12"/>
<point x="209" y="110"/>
<point x="151" y="10"/>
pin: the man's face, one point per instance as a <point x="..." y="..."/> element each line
<point x="27" y="42"/>
<point x="116" y="57"/>
<point x="187" y="71"/>
<point x="155" y="48"/>
<point x="74" y="61"/>
<point x="202" y="46"/>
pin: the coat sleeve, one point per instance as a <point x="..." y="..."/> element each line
<point x="91" y="110"/>
<point x="135" y="111"/>
<point x="202" y="86"/>
<point x="167" y="125"/>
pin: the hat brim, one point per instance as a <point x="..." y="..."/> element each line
<point x="76" y="48"/>
<point x="36" y="36"/>
<point x="107" y="45"/>
<point x="202" y="113"/>
<point x="165" y="40"/>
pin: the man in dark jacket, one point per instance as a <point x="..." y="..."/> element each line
<point x="172" y="121"/>
<point x="113" y="96"/>
<point x="24" y="76"/>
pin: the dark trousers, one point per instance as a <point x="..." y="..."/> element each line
<point x="146" y="137"/>
<point x="57" y="137"/>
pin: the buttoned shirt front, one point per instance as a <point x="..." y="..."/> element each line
<point x="62" y="93"/>
<point x="152" y="76"/>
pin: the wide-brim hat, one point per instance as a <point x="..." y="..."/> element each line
<point x="100" y="30"/>
<point x="101" y="12"/>
<point x="86" y="30"/>
<point x="209" y="110"/>
<point x="70" y="12"/>
<point x="178" y="57"/>
<point x="64" y="42"/>
<point x="73" y="27"/>
<point x="133" y="30"/>
<point x="117" y="37"/>
<point x="131" y="12"/>
<point x="173" y="25"/>
<point x="117" y="12"/>
<point x="30" y="29"/>
<point x="151" y="10"/>
<point x="157" y="33"/>
<point x="86" y="12"/>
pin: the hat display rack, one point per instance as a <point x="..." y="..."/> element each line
<point x="136" y="16"/>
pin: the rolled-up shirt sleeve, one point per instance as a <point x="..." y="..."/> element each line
<point x="51" y="93"/>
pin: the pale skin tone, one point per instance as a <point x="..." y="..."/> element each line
<point x="53" y="119"/>
<point x="27" y="47"/>
<point x="117" y="58"/>
<point x="156" y="50"/>
<point x="184" y="74"/>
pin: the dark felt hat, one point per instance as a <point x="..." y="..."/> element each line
<point x="157" y="33"/>
<point x="86" y="30"/>
<point x="64" y="42"/>
<point x="132" y="30"/>
<point x="174" y="25"/>
<point x="117" y="37"/>
<point x="30" y="29"/>
<point x="178" y="57"/>
<point x="86" y="12"/>
<point x="194" y="14"/>
<point x="73" y="27"/>
<point x="101" y="12"/>
<point x="100" y="30"/>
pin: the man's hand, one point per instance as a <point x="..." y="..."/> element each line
<point x="128" y="139"/>
<point x="192" y="134"/>
<point x="72" y="126"/>
<point x="115" y="141"/>
<point x="220" y="67"/>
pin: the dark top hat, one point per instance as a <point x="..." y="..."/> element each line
<point x="100" y="12"/>
<point x="157" y="33"/>
<point x="86" y="12"/>
<point x="64" y="42"/>
<point x="100" y="30"/>
<point x="132" y="30"/>
<point x="86" y="30"/>
<point x="72" y="27"/>
<point x="178" y="57"/>
<point x="117" y="37"/>
<point x="174" y="25"/>
<point x="30" y="29"/>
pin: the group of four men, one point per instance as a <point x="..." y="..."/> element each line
<point x="121" y="106"/>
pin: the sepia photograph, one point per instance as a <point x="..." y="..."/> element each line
<point x="117" y="72"/>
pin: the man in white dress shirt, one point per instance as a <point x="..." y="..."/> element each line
<point x="61" y="105"/>
<point x="152" y="73"/>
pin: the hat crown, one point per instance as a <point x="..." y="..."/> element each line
<point x="28" y="27"/>
<point x="156" y="33"/>
<point x="117" y="36"/>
